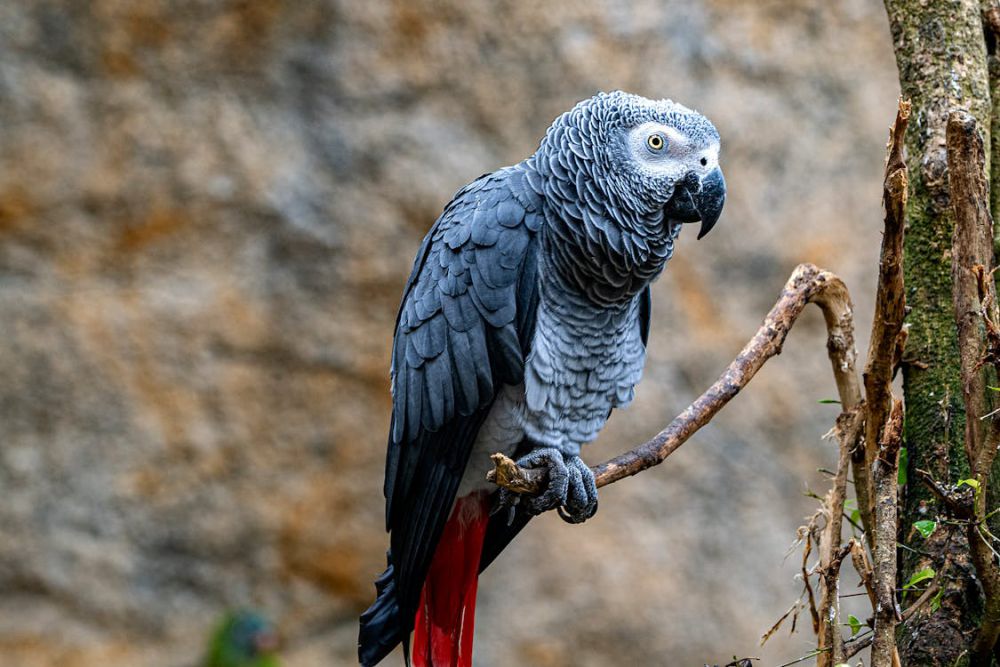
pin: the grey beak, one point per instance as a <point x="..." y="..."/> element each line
<point x="695" y="200"/>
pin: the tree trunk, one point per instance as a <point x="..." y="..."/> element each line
<point x="941" y="53"/>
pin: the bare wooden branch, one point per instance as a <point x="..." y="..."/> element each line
<point x="809" y="533"/>
<point x="989" y="575"/>
<point x="961" y="507"/>
<point x="887" y="323"/>
<point x="863" y="567"/>
<point x="853" y="648"/>
<point x="885" y="477"/>
<point x="922" y="600"/>
<point x="807" y="284"/>
<point x="971" y="248"/>
<point x="793" y="611"/>
<point x="977" y="321"/>
<point x="848" y="431"/>
<point x="831" y="642"/>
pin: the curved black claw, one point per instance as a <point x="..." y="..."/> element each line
<point x="554" y="495"/>
<point x="507" y="501"/>
<point x="581" y="497"/>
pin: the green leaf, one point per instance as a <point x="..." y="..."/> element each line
<point x="923" y="575"/>
<point x="974" y="483"/>
<point x="903" y="460"/>
<point x="856" y="517"/>
<point x="936" y="600"/>
<point x="993" y="388"/>
<point x="828" y="401"/>
<point x="926" y="527"/>
<point x="855" y="624"/>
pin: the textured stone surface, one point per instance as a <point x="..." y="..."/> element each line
<point x="207" y="213"/>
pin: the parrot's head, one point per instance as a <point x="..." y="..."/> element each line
<point x="243" y="639"/>
<point x="651" y="161"/>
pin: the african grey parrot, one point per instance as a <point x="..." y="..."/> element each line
<point x="523" y="324"/>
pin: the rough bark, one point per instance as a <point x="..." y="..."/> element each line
<point x="971" y="252"/>
<point x="887" y="323"/>
<point x="991" y="25"/>
<point x="978" y="322"/>
<point x="942" y="61"/>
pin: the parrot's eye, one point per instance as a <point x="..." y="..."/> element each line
<point x="655" y="142"/>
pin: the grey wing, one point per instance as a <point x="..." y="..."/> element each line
<point x="464" y="329"/>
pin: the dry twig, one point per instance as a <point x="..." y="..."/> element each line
<point x="848" y="431"/>
<point x="863" y="567"/>
<point x="887" y="323"/>
<point x="885" y="477"/>
<point x="831" y="642"/>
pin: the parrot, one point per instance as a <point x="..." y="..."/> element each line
<point x="523" y="324"/>
<point x="243" y="639"/>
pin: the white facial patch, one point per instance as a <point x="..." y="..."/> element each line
<point x="667" y="162"/>
<point x="677" y="156"/>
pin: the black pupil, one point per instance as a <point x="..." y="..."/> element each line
<point x="655" y="141"/>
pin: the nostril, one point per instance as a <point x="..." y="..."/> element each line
<point x="704" y="161"/>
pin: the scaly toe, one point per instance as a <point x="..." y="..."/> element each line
<point x="581" y="496"/>
<point x="555" y="493"/>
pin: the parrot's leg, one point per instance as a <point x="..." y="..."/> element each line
<point x="571" y="488"/>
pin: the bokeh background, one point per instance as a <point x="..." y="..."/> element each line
<point x="208" y="210"/>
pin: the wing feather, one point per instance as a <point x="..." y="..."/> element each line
<point x="464" y="328"/>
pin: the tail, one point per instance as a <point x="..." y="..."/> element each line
<point x="381" y="625"/>
<point x="446" y="616"/>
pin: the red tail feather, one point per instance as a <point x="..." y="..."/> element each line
<point x="446" y="616"/>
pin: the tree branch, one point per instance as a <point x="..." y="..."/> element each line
<point x="991" y="30"/>
<point x="864" y="569"/>
<point x="885" y="477"/>
<point x="979" y="344"/>
<point x="807" y="284"/>
<point x="970" y="249"/>
<point x="887" y="323"/>
<point x="831" y="643"/>
<point x="848" y="431"/>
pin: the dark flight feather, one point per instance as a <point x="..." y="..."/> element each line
<point x="464" y="329"/>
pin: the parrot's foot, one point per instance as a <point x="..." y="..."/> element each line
<point x="571" y="489"/>
<point x="581" y="498"/>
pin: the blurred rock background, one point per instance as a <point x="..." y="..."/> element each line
<point x="207" y="213"/>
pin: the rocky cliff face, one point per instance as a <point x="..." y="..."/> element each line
<point x="207" y="213"/>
